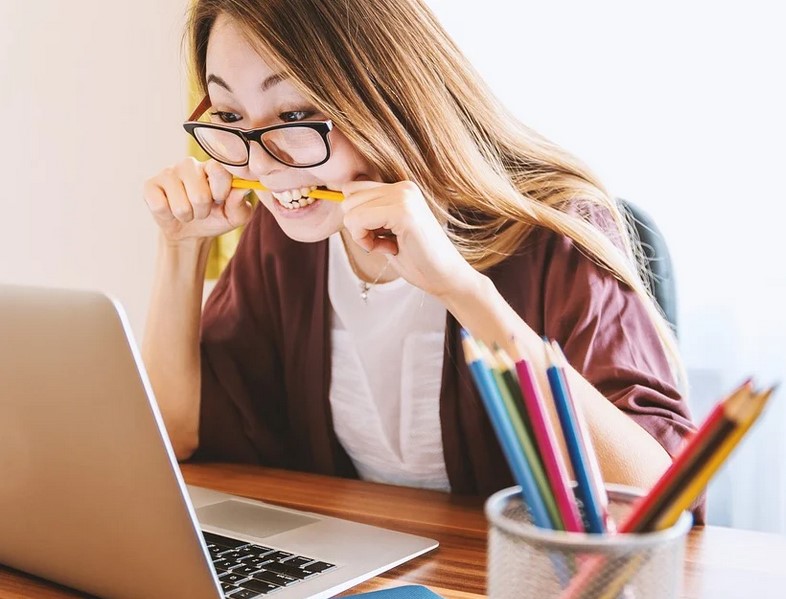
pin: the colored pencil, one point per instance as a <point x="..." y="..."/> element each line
<point x="508" y="388"/>
<point x="545" y="436"/>
<point x="674" y="492"/>
<point x="489" y="394"/>
<point x="317" y="194"/>
<point x="509" y="374"/>
<point x="749" y="413"/>
<point x="598" y="484"/>
<point x="648" y="509"/>
<point x="575" y="443"/>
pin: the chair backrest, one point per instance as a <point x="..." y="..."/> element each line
<point x="661" y="273"/>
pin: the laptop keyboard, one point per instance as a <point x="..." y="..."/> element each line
<point x="246" y="570"/>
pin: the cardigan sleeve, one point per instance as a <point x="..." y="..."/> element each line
<point x="607" y="335"/>
<point x="243" y="417"/>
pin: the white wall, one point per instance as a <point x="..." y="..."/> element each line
<point x="91" y="101"/>
<point x="677" y="105"/>
<point x="680" y="107"/>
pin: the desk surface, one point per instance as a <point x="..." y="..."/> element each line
<point x="721" y="562"/>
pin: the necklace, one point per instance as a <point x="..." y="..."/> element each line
<point x="364" y="286"/>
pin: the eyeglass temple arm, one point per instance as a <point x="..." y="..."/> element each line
<point x="200" y="109"/>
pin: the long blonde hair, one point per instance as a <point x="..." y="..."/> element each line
<point x="396" y="85"/>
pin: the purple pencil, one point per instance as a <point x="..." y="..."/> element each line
<point x="546" y="439"/>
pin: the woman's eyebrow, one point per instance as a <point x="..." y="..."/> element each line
<point x="272" y="80"/>
<point x="218" y="81"/>
<point x="266" y="84"/>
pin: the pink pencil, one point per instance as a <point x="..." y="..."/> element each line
<point x="546" y="440"/>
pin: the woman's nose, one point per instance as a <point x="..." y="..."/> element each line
<point x="260" y="163"/>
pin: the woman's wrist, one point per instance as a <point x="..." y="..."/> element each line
<point x="466" y="292"/>
<point x="193" y="245"/>
<point x="184" y="258"/>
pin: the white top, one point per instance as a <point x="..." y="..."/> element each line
<point x="387" y="355"/>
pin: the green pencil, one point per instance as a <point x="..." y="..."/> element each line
<point x="525" y="439"/>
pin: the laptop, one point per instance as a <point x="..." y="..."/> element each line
<point x="91" y="495"/>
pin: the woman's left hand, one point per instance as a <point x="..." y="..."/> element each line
<point x="420" y="249"/>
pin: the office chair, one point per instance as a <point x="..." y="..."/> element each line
<point x="661" y="276"/>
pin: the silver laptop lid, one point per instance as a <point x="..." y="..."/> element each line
<point x="90" y="494"/>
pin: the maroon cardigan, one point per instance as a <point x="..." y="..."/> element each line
<point x="265" y="356"/>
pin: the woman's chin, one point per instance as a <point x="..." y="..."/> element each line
<point x="307" y="224"/>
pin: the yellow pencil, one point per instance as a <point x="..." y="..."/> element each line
<point x="317" y="194"/>
<point x="748" y="416"/>
<point x="615" y="586"/>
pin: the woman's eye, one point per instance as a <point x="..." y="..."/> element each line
<point x="295" y="115"/>
<point x="226" y="117"/>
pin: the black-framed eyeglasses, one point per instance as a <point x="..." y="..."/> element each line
<point x="303" y="144"/>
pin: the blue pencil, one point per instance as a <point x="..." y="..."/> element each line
<point x="593" y="511"/>
<point x="492" y="400"/>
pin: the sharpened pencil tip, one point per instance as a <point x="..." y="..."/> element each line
<point x="549" y="351"/>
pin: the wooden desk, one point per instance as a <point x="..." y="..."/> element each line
<point x="721" y="563"/>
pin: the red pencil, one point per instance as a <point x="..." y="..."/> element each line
<point x="646" y="510"/>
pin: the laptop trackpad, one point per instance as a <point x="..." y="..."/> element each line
<point x="253" y="520"/>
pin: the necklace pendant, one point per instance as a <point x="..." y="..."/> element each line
<point x="364" y="287"/>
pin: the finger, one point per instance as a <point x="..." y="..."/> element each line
<point x="360" y="192"/>
<point x="197" y="189"/>
<point x="177" y="197"/>
<point x="374" y="217"/>
<point x="384" y="244"/>
<point x="156" y="201"/>
<point x="351" y="187"/>
<point x="219" y="179"/>
<point x="237" y="209"/>
<point x="379" y="240"/>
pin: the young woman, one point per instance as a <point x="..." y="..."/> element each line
<point x="331" y="342"/>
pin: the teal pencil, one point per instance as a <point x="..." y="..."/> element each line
<point x="524" y="437"/>
<point x="592" y="457"/>
<point x="492" y="401"/>
<point x="577" y="451"/>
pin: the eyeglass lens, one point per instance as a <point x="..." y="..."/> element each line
<point x="295" y="146"/>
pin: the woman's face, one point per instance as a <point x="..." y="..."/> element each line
<point x="243" y="95"/>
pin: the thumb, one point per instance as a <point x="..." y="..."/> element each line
<point x="238" y="207"/>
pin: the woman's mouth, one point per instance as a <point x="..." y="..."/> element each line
<point x="292" y="199"/>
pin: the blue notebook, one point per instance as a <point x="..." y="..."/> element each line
<point x="412" y="591"/>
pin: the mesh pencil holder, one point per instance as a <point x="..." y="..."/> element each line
<point x="525" y="561"/>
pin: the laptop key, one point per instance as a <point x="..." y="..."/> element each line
<point x="251" y="551"/>
<point x="213" y="538"/>
<point x="318" y="567"/>
<point x="279" y="555"/>
<point x="231" y="577"/>
<point x="226" y="564"/>
<point x="248" y="594"/>
<point x="230" y="554"/>
<point x="299" y="560"/>
<point x="288" y="570"/>
<point x="246" y="570"/>
<point x="260" y="586"/>
<point x="281" y="580"/>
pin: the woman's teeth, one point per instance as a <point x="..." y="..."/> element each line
<point x="295" y="198"/>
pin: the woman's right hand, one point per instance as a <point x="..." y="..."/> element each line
<point x="193" y="200"/>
